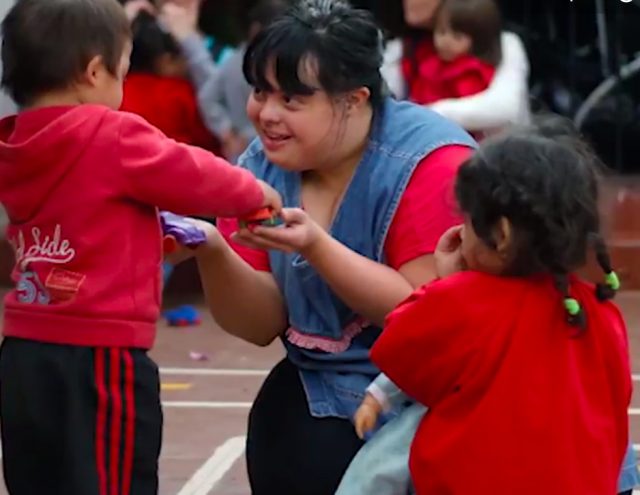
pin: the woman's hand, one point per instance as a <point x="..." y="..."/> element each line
<point x="448" y="253"/>
<point x="299" y="234"/>
<point x="183" y="253"/>
<point x="366" y="416"/>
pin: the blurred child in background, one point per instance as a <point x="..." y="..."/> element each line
<point x="222" y="90"/>
<point x="157" y="87"/>
<point x="463" y="57"/>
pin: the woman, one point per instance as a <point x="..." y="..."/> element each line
<point x="504" y="103"/>
<point x="374" y="177"/>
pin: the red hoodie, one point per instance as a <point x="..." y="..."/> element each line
<point x="81" y="186"/>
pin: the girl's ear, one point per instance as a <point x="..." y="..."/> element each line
<point x="503" y="236"/>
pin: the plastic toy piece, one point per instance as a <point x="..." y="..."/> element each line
<point x="178" y="230"/>
<point x="265" y="217"/>
<point x="198" y="356"/>
<point x="183" y="316"/>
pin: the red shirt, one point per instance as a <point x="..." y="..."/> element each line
<point x="81" y="185"/>
<point x="518" y="402"/>
<point x="431" y="79"/>
<point x="427" y="209"/>
<point x="169" y="104"/>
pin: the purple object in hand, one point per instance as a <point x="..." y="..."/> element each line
<point x="184" y="231"/>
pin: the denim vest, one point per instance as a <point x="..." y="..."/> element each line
<point x="326" y="340"/>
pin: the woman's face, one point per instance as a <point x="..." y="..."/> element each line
<point x="420" y="13"/>
<point x="297" y="132"/>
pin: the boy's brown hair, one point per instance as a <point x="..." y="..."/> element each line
<point x="481" y="21"/>
<point x="47" y="44"/>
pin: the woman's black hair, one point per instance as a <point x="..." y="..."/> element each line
<point x="342" y="44"/>
<point x="544" y="180"/>
<point x="150" y="42"/>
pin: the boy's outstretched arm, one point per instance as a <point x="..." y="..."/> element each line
<point x="185" y="179"/>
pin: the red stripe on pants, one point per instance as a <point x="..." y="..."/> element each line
<point x="101" y="420"/>
<point x="129" y="426"/>
<point x="116" y="420"/>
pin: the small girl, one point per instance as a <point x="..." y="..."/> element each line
<point x="465" y="52"/>
<point x="524" y="367"/>
<point x="157" y="87"/>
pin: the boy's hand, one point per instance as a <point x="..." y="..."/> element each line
<point x="366" y="416"/>
<point x="272" y="198"/>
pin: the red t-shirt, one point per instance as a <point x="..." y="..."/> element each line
<point x="518" y="403"/>
<point x="170" y="104"/>
<point x="427" y="209"/>
<point x="431" y="79"/>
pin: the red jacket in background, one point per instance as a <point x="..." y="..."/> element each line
<point x="170" y="104"/>
<point x="430" y="79"/>
<point x="81" y="186"/>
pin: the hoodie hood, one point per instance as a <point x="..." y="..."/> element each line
<point x="37" y="149"/>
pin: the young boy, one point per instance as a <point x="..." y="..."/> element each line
<point x="82" y="183"/>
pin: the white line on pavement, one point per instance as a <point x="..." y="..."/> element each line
<point x="212" y="471"/>
<point x="212" y="372"/>
<point x="205" y="405"/>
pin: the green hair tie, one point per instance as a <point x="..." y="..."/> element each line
<point x="572" y="306"/>
<point x="612" y="280"/>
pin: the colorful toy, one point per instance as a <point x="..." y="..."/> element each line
<point x="265" y="217"/>
<point x="177" y="231"/>
<point x="182" y="316"/>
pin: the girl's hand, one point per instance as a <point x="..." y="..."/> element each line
<point x="366" y="416"/>
<point x="183" y="253"/>
<point x="299" y="234"/>
<point x="448" y="253"/>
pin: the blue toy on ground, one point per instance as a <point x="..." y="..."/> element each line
<point x="182" y="316"/>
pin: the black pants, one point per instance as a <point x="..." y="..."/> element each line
<point x="79" y="420"/>
<point x="288" y="450"/>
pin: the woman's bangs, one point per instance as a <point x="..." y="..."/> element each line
<point x="284" y="55"/>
